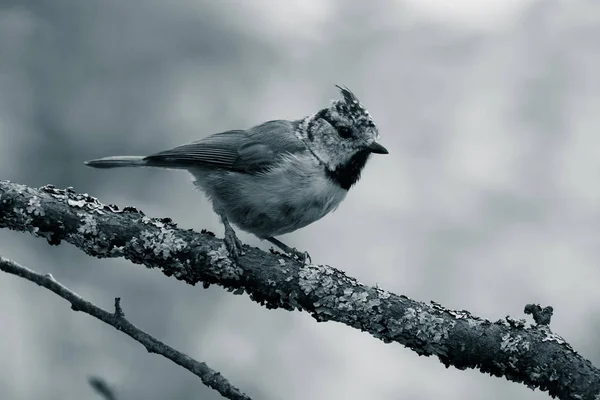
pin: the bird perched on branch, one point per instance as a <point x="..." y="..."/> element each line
<point x="276" y="177"/>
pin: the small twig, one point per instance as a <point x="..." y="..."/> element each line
<point x="102" y="388"/>
<point x="541" y="316"/>
<point x="117" y="319"/>
<point x="118" y="310"/>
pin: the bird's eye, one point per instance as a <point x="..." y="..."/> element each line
<point x="344" y="132"/>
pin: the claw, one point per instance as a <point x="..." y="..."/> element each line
<point x="302" y="256"/>
<point x="233" y="244"/>
<point x="291" y="252"/>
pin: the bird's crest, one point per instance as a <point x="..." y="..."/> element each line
<point x="351" y="106"/>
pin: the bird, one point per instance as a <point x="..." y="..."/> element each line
<point x="278" y="176"/>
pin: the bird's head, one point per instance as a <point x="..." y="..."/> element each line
<point x="342" y="137"/>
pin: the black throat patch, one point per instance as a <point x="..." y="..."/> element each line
<point x="348" y="174"/>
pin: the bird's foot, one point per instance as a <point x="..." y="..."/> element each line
<point x="301" y="256"/>
<point x="292" y="252"/>
<point x="232" y="243"/>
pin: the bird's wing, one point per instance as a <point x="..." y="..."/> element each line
<point x="251" y="150"/>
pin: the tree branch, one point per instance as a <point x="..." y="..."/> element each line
<point x="117" y="319"/>
<point x="102" y="388"/>
<point x="529" y="354"/>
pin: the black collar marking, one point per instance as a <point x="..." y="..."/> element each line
<point x="346" y="175"/>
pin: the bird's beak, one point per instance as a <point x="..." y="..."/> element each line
<point x="377" y="148"/>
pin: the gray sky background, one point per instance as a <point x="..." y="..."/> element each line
<point x="489" y="199"/>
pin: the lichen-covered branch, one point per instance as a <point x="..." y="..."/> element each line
<point x="117" y="319"/>
<point x="531" y="354"/>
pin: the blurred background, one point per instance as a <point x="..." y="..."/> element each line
<point x="489" y="199"/>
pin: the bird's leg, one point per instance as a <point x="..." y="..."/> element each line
<point x="302" y="256"/>
<point x="233" y="244"/>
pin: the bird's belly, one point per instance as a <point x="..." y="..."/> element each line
<point x="278" y="201"/>
<point x="276" y="209"/>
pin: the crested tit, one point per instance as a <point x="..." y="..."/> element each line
<point x="278" y="176"/>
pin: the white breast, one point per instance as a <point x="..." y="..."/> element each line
<point x="289" y="196"/>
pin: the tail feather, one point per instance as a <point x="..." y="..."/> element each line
<point x="117" y="161"/>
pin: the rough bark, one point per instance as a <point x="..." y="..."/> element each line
<point x="530" y="354"/>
